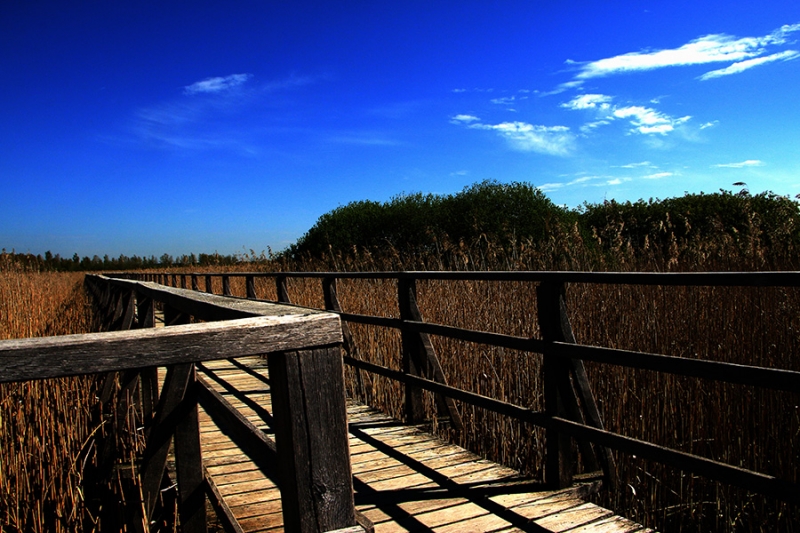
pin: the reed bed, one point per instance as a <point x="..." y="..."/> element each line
<point x="44" y="424"/>
<point x="743" y="426"/>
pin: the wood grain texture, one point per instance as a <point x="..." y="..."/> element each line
<point x="405" y="479"/>
<point x="311" y="434"/>
<point x="68" y="355"/>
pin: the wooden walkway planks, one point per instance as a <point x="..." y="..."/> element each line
<point x="404" y="479"/>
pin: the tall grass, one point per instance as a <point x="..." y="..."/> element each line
<point x="44" y="424"/>
<point x="739" y="425"/>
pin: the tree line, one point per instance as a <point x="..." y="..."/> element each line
<point x="57" y="263"/>
<point x="506" y="217"/>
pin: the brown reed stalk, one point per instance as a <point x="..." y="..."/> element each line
<point x="44" y="424"/>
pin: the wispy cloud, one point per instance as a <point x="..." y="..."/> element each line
<point x="715" y="48"/>
<point x="742" y="164"/>
<point x="585" y="181"/>
<point x="638" y="165"/>
<point x="741" y="66"/>
<point x="463" y="119"/>
<point x="589" y="101"/>
<point x="217" y="120"/>
<point x="216" y="84"/>
<point x="645" y="120"/>
<point x="552" y="140"/>
<point x="658" y="175"/>
<point x="504" y="100"/>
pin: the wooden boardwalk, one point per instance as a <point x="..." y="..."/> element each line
<point x="404" y="479"/>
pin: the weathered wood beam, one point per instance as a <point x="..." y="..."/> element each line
<point x="310" y="416"/>
<point x="69" y="355"/>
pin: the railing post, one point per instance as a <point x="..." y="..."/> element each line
<point x="310" y="416"/>
<point x="332" y="304"/>
<point x="195" y="286"/>
<point x="559" y="460"/>
<point x="576" y="393"/>
<point x="226" y="286"/>
<point x="250" y="282"/>
<point x="209" y="285"/>
<point x="414" y="405"/>
<point x="281" y="290"/>
<point x="189" y="462"/>
<point x="174" y="280"/>
<point x="183" y="281"/>
<point x="146" y="317"/>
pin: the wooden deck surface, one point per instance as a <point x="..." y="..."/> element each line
<point x="404" y="479"/>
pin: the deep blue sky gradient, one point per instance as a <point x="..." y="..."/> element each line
<point x="144" y="128"/>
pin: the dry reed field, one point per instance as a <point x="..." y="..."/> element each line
<point x="740" y="425"/>
<point x="43" y="424"/>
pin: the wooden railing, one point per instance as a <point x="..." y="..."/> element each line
<point x="570" y="409"/>
<point x="127" y="359"/>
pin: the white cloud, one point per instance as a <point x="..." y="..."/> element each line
<point x="638" y="165"/>
<point x="218" y="84"/>
<point x="741" y="66"/>
<point x="658" y="175"/>
<point x="647" y="120"/>
<point x="709" y="124"/>
<point x="589" y="126"/>
<point x="714" y="48"/>
<point x="585" y="181"/>
<point x="743" y="164"/>
<point x="552" y="140"/>
<point x="547" y="187"/>
<point x="463" y="119"/>
<point x="588" y="101"/>
<point x="505" y="100"/>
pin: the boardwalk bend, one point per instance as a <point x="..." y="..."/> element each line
<point x="252" y="408"/>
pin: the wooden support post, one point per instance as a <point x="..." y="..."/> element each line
<point x="250" y="282"/>
<point x="558" y="461"/>
<point x="414" y="405"/>
<point x="195" y="285"/>
<point x="149" y="376"/>
<point x="422" y="353"/>
<point x="157" y="448"/>
<point x="226" y="286"/>
<point x="174" y="280"/>
<point x="281" y="290"/>
<point x="183" y="281"/>
<point x="311" y="437"/>
<point x="332" y="304"/>
<point x="189" y="463"/>
<point x="176" y="414"/>
<point x="209" y="285"/>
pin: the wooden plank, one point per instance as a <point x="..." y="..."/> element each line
<point x="391" y="492"/>
<point x="223" y="511"/>
<point x="68" y="355"/>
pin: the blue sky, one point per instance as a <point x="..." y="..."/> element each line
<point x="152" y="127"/>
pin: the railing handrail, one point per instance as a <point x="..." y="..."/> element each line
<point x="773" y="378"/>
<point x="783" y="278"/>
<point x="314" y="474"/>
